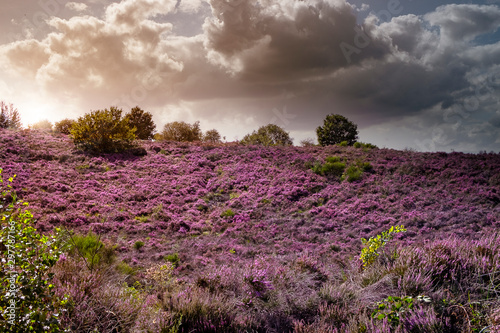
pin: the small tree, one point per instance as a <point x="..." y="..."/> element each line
<point x="28" y="301"/>
<point x="103" y="131"/>
<point x="336" y="129"/>
<point x="212" y="136"/>
<point x="182" y="131"/>
<point x="269" y="135"/>
<point x="143" y="122"/>
<point x="64" y="126"/>
<point x="9" y="116"/>
<point x="43" y="125"/>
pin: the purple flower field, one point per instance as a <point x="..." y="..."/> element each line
<point x="259" y="242"/>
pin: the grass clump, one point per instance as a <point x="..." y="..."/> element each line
<point x="333" y="166"/>
<point x="228" y="213"/>
<point x="173" y="259"/>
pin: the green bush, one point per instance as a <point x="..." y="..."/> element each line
<point x="143" y="123"/>
<point x="364" y="145"/>
<point x="369" y="253"/>
<point x="337" y="129"/>
<point x="103" y="131"/>
<point x="138" y="245"/>
<point x="269" y="135"/>
<point x="90" y="248"/>
<point x="227" y="213"/>
<point x="64" y="126"/>
<point x="181" y="131"/>
<point x="343" y="144"/>
<point x="173" y="258"/>
<point x="352" y="174"/>
<point x="332" y="167"/>
<point x="27" y="298"/>
<point x="212" y="136"/>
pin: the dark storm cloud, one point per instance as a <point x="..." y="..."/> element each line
<point x="285" y="40"/>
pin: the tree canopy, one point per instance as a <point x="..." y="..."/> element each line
<point x="336" y="129"/>
<point x="268" y="135"/>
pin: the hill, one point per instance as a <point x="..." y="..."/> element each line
<point x="268" y="239"/>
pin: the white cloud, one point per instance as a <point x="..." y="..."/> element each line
<point x="77" y="6"/>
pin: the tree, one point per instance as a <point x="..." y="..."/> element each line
<point x="43" y="125"/>
<point x="212" y="136"/>
<point x="336" y="129"/>
<point x="103" y="131"/>
<point x="143" y="122"/>
<point x="269" y="135"/>
<point x="9" y="116"/>
<point x="64" y="126"/>
<point x="182" y="131"/>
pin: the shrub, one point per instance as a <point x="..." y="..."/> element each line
<point x="332" y="167"/>
<point x="91" y="250"/>
<point x="352" y="173"/>
<point x="309" y="142"/>
<point x="181" y="131"/>
<point x="227" y="213"/>
<point x="43" y="125"/>
<point x="369" y="253"/>
<point x="9" y="116"/>
<point x="173" y="259"/>
<point x="364" y="145"/>
<point x="143" y="123"/>
<point x="138" y="245"/>
<point x="336" y="129"/>
<point x="212" y="136"/>
<point x="27" y="300"/>
<point x="103" y="131"/>
<point x="269" y="135"/>
<point x="64" y="126"/>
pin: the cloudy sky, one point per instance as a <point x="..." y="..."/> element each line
<point x="412" y="74"/>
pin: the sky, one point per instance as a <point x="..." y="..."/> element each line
<point x="423" y="75"/>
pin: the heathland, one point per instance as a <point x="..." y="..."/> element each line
<point x="197" y="237"/>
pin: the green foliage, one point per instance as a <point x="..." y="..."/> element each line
<point x="103" y="131"/>
<point x="9" y="116"/>
<point x="143" y="123"/>
<point x="333" y="166"/>
<point x="269" y="135"/>
<point x="227" y="213"/>
<point x="173" y="258"/>
<point x="181" y="131"/>
<point x="371" y="248"/>
<point x="27" y="299"/>
<point x="64" y="126"/>
<point x="393" y="307"/>
<point x="343" y="144"/>
<point x="337" y="129"/>
<point x="42" y="125"/>
<point x="125" y="268"/>
<point x="212" y="136"/>
<point x="352" y="173"/>
<point x="138" y="245"/>
<point x="364" y="145"/>
<point x="90" y="249"/>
